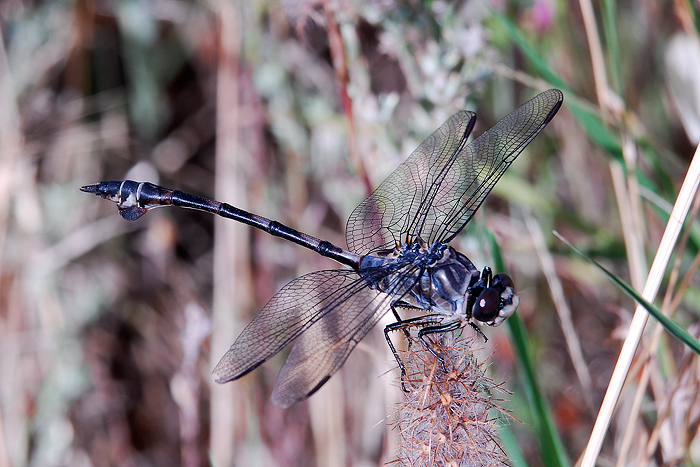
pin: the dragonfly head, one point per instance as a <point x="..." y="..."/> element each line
<point x="496" y="300"/>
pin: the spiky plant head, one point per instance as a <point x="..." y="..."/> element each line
<point x="448" y="418"/>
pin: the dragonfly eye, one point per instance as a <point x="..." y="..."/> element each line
<point x="509" y="302"/>
<point x="486" y="306"/>
<point x="502" y="281"/>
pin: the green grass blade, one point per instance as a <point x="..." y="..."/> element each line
<point x="509" y="444"/>
<point x="692" y="9"/>
<point x="671" y="326"/>
<point x="534" y="58"/>
<point x="613" y="46"/>
<point x="595" y="128"/>
<point x="551" y="445"/>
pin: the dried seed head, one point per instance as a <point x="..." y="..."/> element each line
<point x="448" y="419"/>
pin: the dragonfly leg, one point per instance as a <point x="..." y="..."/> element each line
<point x="435" y="329"/>
<point x="420" y="321"/>
<point x="393" y="306"/>
<point x="402" y="367"/>
<point x="401" y="304"/>
<point x="479" y="331"/>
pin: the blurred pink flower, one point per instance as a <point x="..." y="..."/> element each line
<point x="543" y="12"/>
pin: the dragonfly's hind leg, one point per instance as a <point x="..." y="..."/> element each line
<point x="402" y="367"/>
<point x="421" y="321"/>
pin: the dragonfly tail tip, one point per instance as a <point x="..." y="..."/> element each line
<point x="89" y="188"/>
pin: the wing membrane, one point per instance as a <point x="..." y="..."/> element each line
<point x="320" y="351"/>
<point x="392" y="211"/>
<point x="437" y="190"/>
<point x="328" y="311"/>
<point x="290" y="312"/>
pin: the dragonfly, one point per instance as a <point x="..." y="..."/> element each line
<point x="398" y="255"/>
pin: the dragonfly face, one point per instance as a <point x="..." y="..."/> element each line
<point x="494" y="300"/>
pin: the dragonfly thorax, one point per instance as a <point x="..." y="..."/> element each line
<point x="438" y="278"/>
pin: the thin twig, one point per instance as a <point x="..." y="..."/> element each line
<point x="562" y="307"/>
<point x="597" y="60"/>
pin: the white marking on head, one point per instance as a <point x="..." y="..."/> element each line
<point x="512" y="300"/>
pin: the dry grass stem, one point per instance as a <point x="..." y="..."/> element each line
<point x="663" y="256"/>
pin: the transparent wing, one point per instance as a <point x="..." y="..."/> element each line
<point x="322" y="349"/>
<point x="385" y="217"/>
<point x="437" y="190"/>
<point x="331" y="311"/>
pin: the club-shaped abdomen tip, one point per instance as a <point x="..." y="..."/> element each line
<point x="104" y="190"/>
<point x="108" y="190"/>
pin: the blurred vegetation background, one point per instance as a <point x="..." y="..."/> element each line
<point x="295" y="110"/>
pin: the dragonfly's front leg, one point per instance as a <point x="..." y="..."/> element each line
<point x="479" y="331"/>
<point x="435" y="329"/>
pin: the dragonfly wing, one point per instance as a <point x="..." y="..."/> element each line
<point x="382" y="220"/>
<point x="323" y="348"/>
<point x="481" y="164"/>
<point x="437" y="190"/>
<point x="315" y="304"/>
